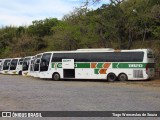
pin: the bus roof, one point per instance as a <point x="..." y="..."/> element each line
<point x="98" y="50"/>
<point x="7" y="59"/>
<point x="16" y="58"/>
<point x="28" y="57"/>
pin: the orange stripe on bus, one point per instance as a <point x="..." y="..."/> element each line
<point x="106" y="65"/>
<point x="102" y="71"/>
<point x="93" y="65"/>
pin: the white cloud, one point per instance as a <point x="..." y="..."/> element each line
<point x="23" y="12"/>
<point x="20" y="12"/>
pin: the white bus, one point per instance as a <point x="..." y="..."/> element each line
<point x="16" y="66"/>
<point x="1" y="65"/>
<point x="26" y="65"/>
<point x="32" y="66"/>
<point x="5" y="65"/>
<point x="107" y="64"/>
<point x="35" y="65"/>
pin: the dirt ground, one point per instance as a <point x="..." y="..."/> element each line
<point x="151" y="83"/>
<point x="20" y="93"/>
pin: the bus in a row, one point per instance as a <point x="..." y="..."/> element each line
<point x="11" y="66"/>
<point x="26" y="66"/>
<point x="109" y="64"/>
<point x="1" y="63"/>
<point x="35" y="65"/>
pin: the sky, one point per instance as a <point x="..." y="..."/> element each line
<point x="23" y="12"/>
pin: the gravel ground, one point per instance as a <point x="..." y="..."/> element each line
<point x="32" y="94"/>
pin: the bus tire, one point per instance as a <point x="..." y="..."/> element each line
<point x="20" y="73"/>
<point x="111" y="77"/>
<point x="56" y="76"/>
<point x="122" y="77"/>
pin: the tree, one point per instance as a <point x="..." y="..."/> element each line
<point x="42" y="28"/>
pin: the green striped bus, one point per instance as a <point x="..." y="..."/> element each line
<point x="109" y="64"/>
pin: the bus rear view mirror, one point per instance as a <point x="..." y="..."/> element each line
<point x="37" y="61"/>
<point x="8" y="64"/>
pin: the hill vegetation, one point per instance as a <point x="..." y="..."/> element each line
<point x="121" y="24"/>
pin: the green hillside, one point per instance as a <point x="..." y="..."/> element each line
<point x="120" y="25"/>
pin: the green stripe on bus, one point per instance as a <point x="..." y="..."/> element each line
<point x="77" y="65"/>
<point x="100" y="65"/>
<point x="56" y="65"/>
<point x="59" y="65"/>
<point x="96" y="71"/>
<point x="129" y="65"/>
<point x="114" y="65"/>
<point x="82" y="65"/>
<point x="53" y="65"/>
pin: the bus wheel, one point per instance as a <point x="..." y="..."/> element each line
<point x="20" y="73"/>
<point x="122" y="77"/>
<point x="56" y="76"/>
<point x="111" y="77"/>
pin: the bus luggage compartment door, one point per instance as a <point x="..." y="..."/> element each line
<point x="69" y="73"/>
<point x="68" y="68"/>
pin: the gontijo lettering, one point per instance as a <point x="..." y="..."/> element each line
<point x="66" y="60"/>
<point x="135" y="65"/>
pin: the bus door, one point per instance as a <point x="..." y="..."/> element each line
<point x="68" y="68"/>
<point x="36" y="67"/>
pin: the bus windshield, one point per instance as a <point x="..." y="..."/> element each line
<point x="13" y="64"/>
<point x="26" y="64"/>
<point x="37" y="62"/>
<point x="6" y="64"/>
<point x="20" y="61"/>
<point x="45" y="60"/>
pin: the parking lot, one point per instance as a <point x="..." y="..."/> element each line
<point x="20" y="93"/>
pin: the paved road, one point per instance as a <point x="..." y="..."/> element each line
<point x="19" y="93"/>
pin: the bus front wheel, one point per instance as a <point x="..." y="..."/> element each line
<point x="122" y="77"/>
<point x="56" y="76"/>
<point x="20" y="73"/>
<point x="111" y="77"/>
